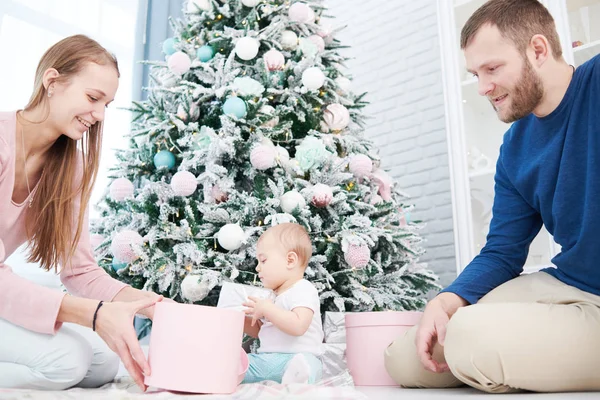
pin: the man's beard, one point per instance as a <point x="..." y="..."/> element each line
<point x="525" y="97"/>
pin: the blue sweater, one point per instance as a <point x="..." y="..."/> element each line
<point x="548" y="172"/>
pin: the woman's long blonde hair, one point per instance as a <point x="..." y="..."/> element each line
<point x="50" y="220"/>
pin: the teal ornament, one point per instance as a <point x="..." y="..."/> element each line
<point x="168" y="46"/>
<point x="118" y="265"/>
<point x="235" y="106"/>
<point x="201" y="141"/>
<point x="205" y="53"/>
<point x="164" y="159"/>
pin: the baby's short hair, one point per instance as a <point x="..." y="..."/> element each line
<point x="293" y="237"/>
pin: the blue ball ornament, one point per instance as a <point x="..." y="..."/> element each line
<point x="205" y="53"/>
<point x="168" y="46"/>
<point x="164" y="159"/>
<point x="235" y="106"/>
<point x="118" y="265"/>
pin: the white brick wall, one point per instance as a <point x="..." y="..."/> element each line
<point x="396" y="59"/>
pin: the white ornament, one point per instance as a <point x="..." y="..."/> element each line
<point x="343" y="85"/>
<point x="262" y="157"/>
<point x="179" y="63"/>
<point x="122" y="245"/>
<point x="184" y="183"/>
<point x="357" y="256"/>
<point x="336" y="116"/>
<point x="194" y="5"/>
<point x="193" y="288"/>
<point x="247" y="48"/>
<point x="121" y="189"/>
<point x="282" y="156"/>
<point x="313" y="78"/>
<point x="231" y="237"/>
<point x="360" y="165"/>
<point x="289" y="40"/>
<point x="250" y="3"/>
<point x="300" y="12"/>
<point x="317" y="41"/>
<point x="292" y="200"/>
<point x="247" y="86"/>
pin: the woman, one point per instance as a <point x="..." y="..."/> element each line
<point x="45" y="186"/>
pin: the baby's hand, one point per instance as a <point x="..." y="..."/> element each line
<point x="256" y="307"/>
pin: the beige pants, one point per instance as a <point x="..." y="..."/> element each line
<point x="531" y="333"/>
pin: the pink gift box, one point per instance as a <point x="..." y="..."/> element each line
<point x="368" y="334"/>
<point x="196" y="349"/>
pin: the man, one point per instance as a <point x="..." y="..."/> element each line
<point x="494" y="329"/>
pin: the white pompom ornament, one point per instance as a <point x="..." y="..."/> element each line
<point x="122" y="246"/>
<point x="337" y="117"/>
<point x="247" y="48"/>
<point x="292" y="200"/>
<point x="121" y="189"/>
<point x="193" y="288"/>
<point x="289" y="40"/>
<point x="184" y="183"/>
<point x="263" y="157"/>
<point x="322" y="195"/>
<point x="313" y="78"/>
<point x="250" y="3"/>
<point x="179" y="63"/>
<point x="360" y="165"/>
<point x="357" y="256"/>
<point x="231" y="237"/>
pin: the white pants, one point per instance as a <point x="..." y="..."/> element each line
<point x="75" y="356"/>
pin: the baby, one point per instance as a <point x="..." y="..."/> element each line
<point x="289" y="328"/>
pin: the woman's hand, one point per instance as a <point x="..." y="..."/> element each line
<point x="114" y="324"/>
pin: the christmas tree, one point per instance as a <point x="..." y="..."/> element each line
<point x="250" y="122"/>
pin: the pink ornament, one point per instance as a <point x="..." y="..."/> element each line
<point x="357" y="256"/>
<point x="317" y="41"/>
<point x="179" y="63"/>
<point x="274" y="60"/>
<point x="263" y="157"/>
<point x="184" y="183"/>
<point x="384" y="181"/>
<point x="322" y="195"/>
<point x="96" y="240"/>
<point x="121" y="189"/>
<point x="217" y="194"/>
<point x="375" y="199"/>
<point x="360" y="165"/>
<point x="337" y="117"/>
<point x="122" y="245"/>
<point x="300" y="12"/>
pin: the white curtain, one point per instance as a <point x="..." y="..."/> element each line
<point x="27" y="29"/>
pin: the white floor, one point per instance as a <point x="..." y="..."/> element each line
<point x="391" y="393"/>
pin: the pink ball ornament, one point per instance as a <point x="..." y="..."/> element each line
<point x="318" y="41"/>
<point x="179" y="63"/>
<point x="263" y="157"/>
<point x="184" y="183"/>
<point x="322" y="195"/>
<point x="384" y="181"/>
<point x="337" y="117"/>
<point x="121" y="246"/>
<point x="121" y="189"/>
<point x="300" y="12"/>
<point x="375" y="199"/>
<point x="360" y="165"/>
<point x="357" y="256"/>
<point x="274" y="60"/>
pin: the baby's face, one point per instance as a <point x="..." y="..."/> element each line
<point x="272" y="265"/>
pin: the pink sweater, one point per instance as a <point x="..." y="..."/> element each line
<point x="22" y="302"/>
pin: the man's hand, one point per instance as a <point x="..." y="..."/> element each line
<point x="432" y="328"/>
